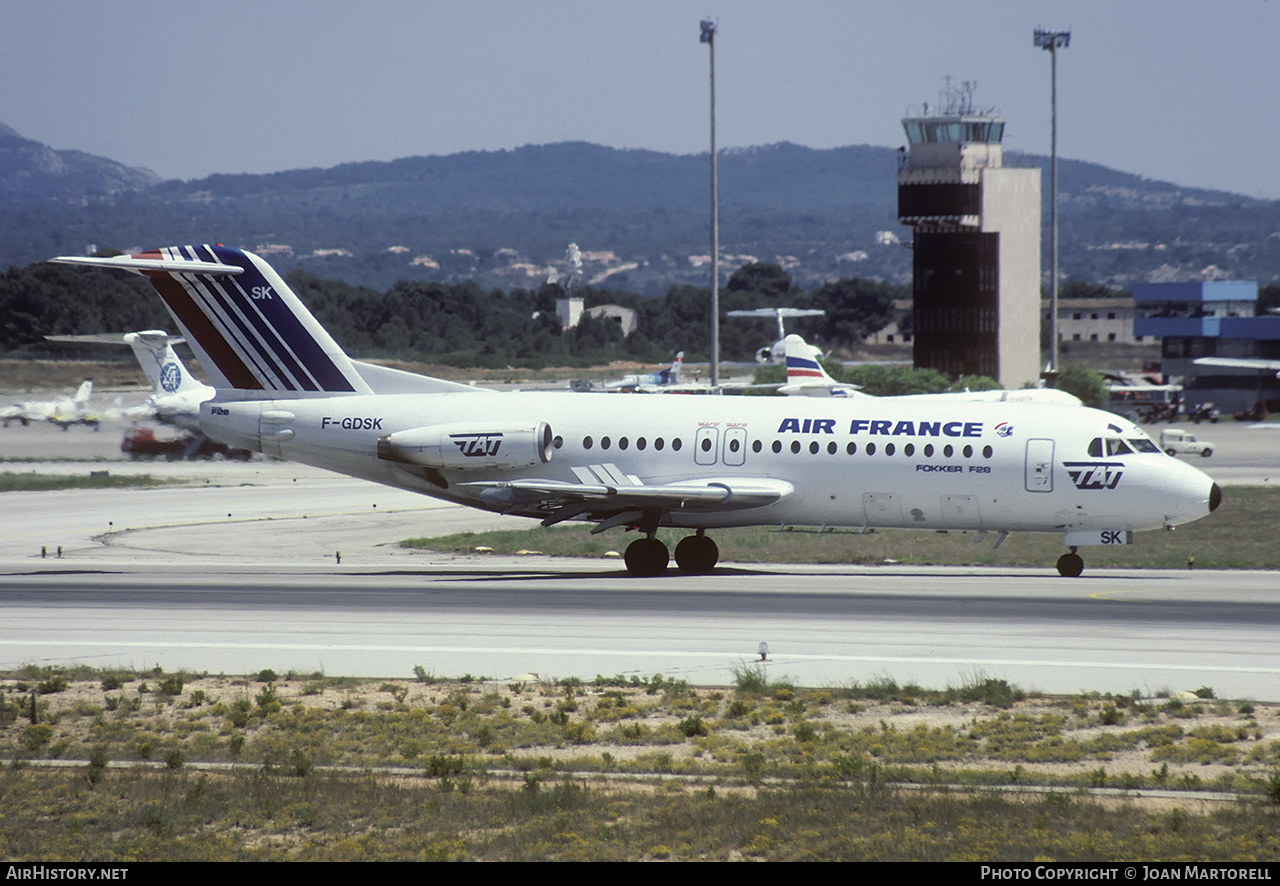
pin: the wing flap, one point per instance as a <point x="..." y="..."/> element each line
<point x="710" y="494"/>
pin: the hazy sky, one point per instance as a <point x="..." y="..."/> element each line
<point x="1182" y="90"/>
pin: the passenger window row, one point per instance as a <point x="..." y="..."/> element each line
<point x="640" y="443"/>
<point x="888" y="449"/>
<point x="796" y="447"/>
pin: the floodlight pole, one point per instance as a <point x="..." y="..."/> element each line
<point x="709" y="37"/>
<point x="1053" y="41"/>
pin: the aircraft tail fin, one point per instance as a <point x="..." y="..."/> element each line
<point x="164" y="369"/>
<point x="250" y="331"/>
<point x="803" y="366"/>
<point x="81" y="398"/>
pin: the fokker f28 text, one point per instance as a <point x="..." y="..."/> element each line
<point x="285" y="388"/>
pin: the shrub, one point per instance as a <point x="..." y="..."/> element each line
<point x="98" y="761"/>
<point x="37" y="736"/>
<point x="692" y="726"/>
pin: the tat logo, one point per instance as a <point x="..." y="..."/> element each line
<point x="1094" y="474"/>
<point x="477" y="445"/>
<point x="1004" y="429"/>
<point x="261" y="292"/>
<point x="170" y="377"/>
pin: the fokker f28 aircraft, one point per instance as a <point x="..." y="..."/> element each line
<point x="285" y="388"/>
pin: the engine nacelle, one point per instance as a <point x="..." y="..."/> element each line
<point x="463" y="447"/>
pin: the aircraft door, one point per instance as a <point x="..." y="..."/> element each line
<point x="1039" y="466"/>
<point x="705" y="445"/>
<point x="735" y="446"/>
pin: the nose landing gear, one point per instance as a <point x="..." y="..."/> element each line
<point x="1070" y="565"/>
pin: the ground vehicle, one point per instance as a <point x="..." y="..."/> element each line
<point x="142" y="443"/>
<point x="1175" y="442"/>
<point x="1204" y="412"/>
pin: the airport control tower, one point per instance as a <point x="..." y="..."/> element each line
<point x="976" y="266"/>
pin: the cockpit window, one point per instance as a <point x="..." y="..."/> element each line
<point x="1116" y="446"/>
<point x="1095" y="447"/>
<point x="1142" y="444"/>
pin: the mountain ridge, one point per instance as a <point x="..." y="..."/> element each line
<point x="821" y="213"/>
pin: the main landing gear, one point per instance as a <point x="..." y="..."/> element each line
<point x="1070" y="565"/>
<point x="695" y="555"/>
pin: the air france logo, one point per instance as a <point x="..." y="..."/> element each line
<point x="170" y="377"/>
<point x="1094" y="474"/>
<point x="477" y="445"/>
<point x="1004" y="429"/>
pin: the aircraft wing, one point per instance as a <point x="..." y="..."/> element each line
<point x="1239" y="363"/>
<point x="606" y="494"/>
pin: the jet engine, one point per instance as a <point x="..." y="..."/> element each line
<point x="462" y="447"/>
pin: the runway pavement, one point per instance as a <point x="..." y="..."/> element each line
<point x="1110" y="630"/>
<point x="239" y="572"/>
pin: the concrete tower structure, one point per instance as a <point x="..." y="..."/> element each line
<point x="976" y="280"/>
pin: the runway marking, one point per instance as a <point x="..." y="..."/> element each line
<point x="649" y="653"/>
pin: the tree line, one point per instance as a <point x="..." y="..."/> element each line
<point x="462" y="324"/>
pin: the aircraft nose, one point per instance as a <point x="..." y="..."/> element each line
<point x="1215" y="497"/>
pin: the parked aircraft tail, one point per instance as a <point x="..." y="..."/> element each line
<point x="805" y="375"/>
<point x="165" y="371"/>
<point x="672" y="375"/>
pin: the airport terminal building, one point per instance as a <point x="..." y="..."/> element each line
<point x="1211" y="319"/>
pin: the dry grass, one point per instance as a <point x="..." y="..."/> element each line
<point x="307" y="766"/>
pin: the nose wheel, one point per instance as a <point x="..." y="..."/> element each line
<point x="1070" y="565"/>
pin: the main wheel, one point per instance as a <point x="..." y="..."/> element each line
<point x="1070" y="565"/>
<point x="646" y="556"/>
<point x="697" y="554"/>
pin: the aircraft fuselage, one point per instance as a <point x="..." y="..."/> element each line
<point x="885" y="463"/>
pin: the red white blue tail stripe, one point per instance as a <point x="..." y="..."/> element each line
<point x="248" y="328"/>
<point x="799" y="367"/>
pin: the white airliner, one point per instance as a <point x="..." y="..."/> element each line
<point x="63" y="412"/>
<point x="176" y="394"/>
<point x="806" y="377"/>
<point x="285" y="388"/>
<point x="778" y="349"/>
<point x="660" y="379"/>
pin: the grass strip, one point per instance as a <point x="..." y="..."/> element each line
<point x="1239" y="535"/>
<point x="13" y="481"/>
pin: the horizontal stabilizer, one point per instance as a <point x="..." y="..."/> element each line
<point x="388" y="380"/>
<point x="133" y="263"/>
